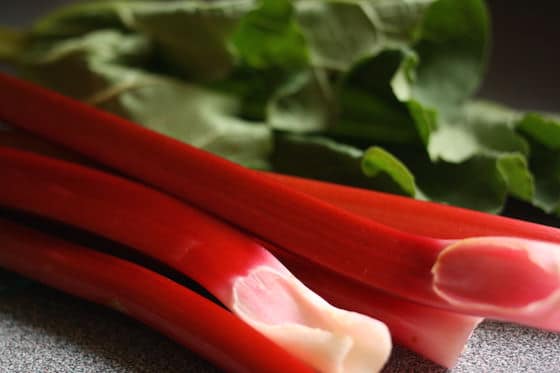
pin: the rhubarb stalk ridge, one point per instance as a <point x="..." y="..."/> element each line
<point x="501" y="274"/>
<point x="329" y="339"/>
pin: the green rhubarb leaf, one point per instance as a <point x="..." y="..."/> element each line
<point x="492" y="113"/>
<point x="519" y="180"/>
<point x="493" y="127"/>
<point x="545" y="165"/>
<point x="426" y="119"/>
<point x="485" y="142"/>
<point x="387" y="98"/>
<point x="477" y="183"/>
<point x="341" y="32"/>
<point x="79" y="18"/>
<point x="271" y="75"/>
<point x="465" y="139"/>
<point x="369" y="108"/>
<point x="12" y="43"/>
<point x="255" y="89"/>
<point x="187" y="112"/>
<point x="443" y="72"/>
<point x="324" y="159"/>
<point x="377" y="160"/>
<point x="542" y="129"/>
<point x="543" y="133"/>
<point x="452" y="52"/>
<point x="51" y="63"/>
<point x="268" y="37"/>
<point x="493" y="124"/>
<point x="300" y="105"/>
<point x="192" y="38"/>
<point x="192" y="114"/>
<point x="497" y="162"/>
<point x="533" y="174"/>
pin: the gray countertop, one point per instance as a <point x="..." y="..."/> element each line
<point x="42" y="330"/>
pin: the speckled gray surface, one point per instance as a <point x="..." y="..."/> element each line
<point x="43" y="331"/>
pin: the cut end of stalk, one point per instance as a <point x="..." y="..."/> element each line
<point x="500" y="275"/>
<point x="327" y="338"/>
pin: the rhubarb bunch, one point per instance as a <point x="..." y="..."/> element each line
<point x="419" y="268"/>
<point x="237" y="270"/>
<point x="436" y="334"/>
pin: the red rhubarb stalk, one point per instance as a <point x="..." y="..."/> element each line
<point x="14" y="138"/>
<point x="391" y="260"/>
<point x="419" y="217"/>
<point x="234" y="268"/>
<point x="174" y="310"/>
<point x="436" y="334"/>
<point x="441" y="221"/>
<point x="403" y="213"/>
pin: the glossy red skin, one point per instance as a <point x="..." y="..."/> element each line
<point x="344" y="242"/>
<point x="419" y="217"/>
<point x="352" y="245"/>
<point x="431" y="325"/>
<point x="174" y="310"/>
<point x="14" y="138"/>
<point x="203" y="248"/>
<point x="401" y="262"/>
<point x="403" y="213"/>
<point x="153" y="223"/>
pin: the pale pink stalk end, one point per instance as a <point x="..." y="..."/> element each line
<point x="329" y="339"/>
<point x="441" y="336"/>
<point x="502" y="277"/>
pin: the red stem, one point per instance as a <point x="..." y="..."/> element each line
<point x="419" y="217"/>
<point x="374" y="254"/>
<point x="177" y="312"/>
<point x="400" y="262"/>
<point x="15" y="138"/>
<point x="403" y="213"/>
<point x="436" y="334"/>
<point x="192" y="242"/>
<point x="226" y="262"/>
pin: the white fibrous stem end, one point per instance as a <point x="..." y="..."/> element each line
<point x="506" y="278"/>
<point x="327" y="338"/>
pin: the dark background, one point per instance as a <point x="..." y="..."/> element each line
<point x="524" y="69"/>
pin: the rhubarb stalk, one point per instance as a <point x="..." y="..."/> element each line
<point x="176" y="311"/>
<point x="419" y="217"/>
<point x="436" y="334"/>
<point x="456" y="223"/>
<point x="377" y="255"/>
<point x="235" y="269"/>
